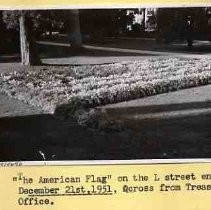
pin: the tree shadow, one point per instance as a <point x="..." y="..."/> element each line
<point x="53" y="51"/>
<point x="11" y="58"/>
<point x="40" y="137"/>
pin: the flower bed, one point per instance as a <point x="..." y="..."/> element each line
<point x="103" y="84"/>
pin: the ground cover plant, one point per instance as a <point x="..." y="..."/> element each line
<point x="89" y="86"/>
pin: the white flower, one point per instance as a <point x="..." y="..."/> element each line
<point x="101" y="84"/>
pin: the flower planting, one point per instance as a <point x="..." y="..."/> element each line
<point x="79" y="87"/>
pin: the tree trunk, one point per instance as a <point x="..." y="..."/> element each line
<point x="29" y="55"/>
<point x="74" y="29"/>
<point x="144" y="19"/>
<point x="24" y="41"/>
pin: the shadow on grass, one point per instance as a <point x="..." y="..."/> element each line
<point x="28" y="137"/>
<point x="56" y="51"/>
<point x="12" y="58"/>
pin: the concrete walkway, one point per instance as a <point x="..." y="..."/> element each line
<point x="182" y="103"/>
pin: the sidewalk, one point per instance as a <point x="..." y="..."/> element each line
<point x="183" y="103"/>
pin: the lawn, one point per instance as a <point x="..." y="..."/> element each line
<point x="94" y="85"/>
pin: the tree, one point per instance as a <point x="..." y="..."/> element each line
<point x="101" y="23"/>
<point x="74" y="29"/>
<point x="22" y="21"/>
<point x="33" y="24"/>
<point x="24" y="41"/>
<point x="172" y="23"/>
